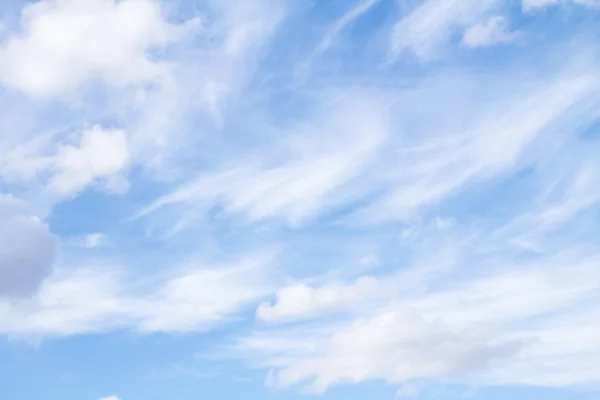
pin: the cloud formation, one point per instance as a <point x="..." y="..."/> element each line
<point x="428" y="199"/>
<point x="67" y="43"/>
<point x="27" y="251"/>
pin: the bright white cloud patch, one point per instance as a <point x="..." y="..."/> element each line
<point x="66" y="43"/>
<point x="301" y="301"/>
<point x="96" y="155"/>
<point x="100" y="154"/>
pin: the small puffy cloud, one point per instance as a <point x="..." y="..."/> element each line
<point x="99" y="154"/>
<point x="96" y="155"/>
<point x="301" y="301"/>
<point x="109" y="398"/>
<point x="27" y="250"/>
<point x="493" y="31"/>
<point x="66" y="43"/>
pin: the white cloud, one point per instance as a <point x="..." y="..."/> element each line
<point x="109" y="398"/>
<point x="95" y="155"/>
<point x="67" y="43"/>
<point x="212" y="75"/>
<point x="504" y="327"/>
<point x="532" y="5"/>
<point x="27" y="251"/>
<point x="100" y="154"/>
<point x="359" y="149"/>
<point x="493" y="31"/>
<point x="296" y="187"/>
<point x="426" y="30"/>
<point x="496" y="140"/>
<point x="95" y="299"/>
<point x="301" y="301"/>
<point x="395" y="347"/>
<point x="407" y="170"/>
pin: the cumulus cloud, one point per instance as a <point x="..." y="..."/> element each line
<point x="27" y="251"/>
<point x="63" y="44"/>
<point x="100" y="154"/>
<point x="95" y="155"/>
<point x="109" y="398"/>
<point x="493" y="31"/>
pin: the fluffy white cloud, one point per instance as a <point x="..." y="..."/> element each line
<point x="95" y="155"/>
<point x="67" y="43"/>
<point x="493" y="31"/>
<point x="109" y="398"/>
<point x="27" y="251"/>
<point x="301" y="301"/>
<point x="100" y="154"/>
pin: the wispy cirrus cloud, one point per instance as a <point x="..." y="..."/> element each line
<point x="493" y="31"/>
<point x="191" y="298"/>
<point x="430" y="25"/>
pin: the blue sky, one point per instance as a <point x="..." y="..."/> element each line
<point x="299" y="199"/>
